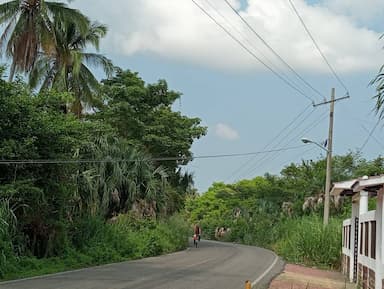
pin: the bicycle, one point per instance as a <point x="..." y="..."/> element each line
<point x="196" y="240"/>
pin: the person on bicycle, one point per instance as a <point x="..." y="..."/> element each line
<point x="197" y="231"/>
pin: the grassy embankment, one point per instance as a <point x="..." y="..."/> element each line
<point x="94" y="242"/>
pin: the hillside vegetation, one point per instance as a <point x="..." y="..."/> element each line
<point x="284" y="212"/>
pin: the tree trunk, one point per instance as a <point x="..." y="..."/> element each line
<point x="12" y="71"/>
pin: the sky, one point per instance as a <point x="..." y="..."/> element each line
<point x="246" y="107"/>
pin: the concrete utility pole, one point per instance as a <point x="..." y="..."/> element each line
<point x="329" y="153"/>
<point x="329" y="159"/>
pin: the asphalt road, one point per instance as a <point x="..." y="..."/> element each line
<point x="213" y="265"/>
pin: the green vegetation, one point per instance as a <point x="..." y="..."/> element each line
<point x="43" y="199"/>
<point x="93" y="242"/>
<point x="306" y="241"/>
<point x="282" y="213"/>
<point x="83" y="179"/>
<point x="92" y="188"/>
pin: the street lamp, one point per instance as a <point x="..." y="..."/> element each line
<point x="306" y="140"/>
<point x="327" y="177"/>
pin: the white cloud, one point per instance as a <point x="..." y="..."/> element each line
<point x="178" y="30"/>
<point x="224" y="131"/>
<point x="365" y="10"/>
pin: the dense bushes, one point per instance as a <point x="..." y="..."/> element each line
<point x="95" y="242"/>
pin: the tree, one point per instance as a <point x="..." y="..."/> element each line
<point x="34" y="128"/>
<point x="29" y="30"/>
<point x="143" y="115"/>
<point x="65" y="68"/>
<point x="122" y="178"/>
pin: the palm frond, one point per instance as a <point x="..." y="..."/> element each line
<point x="8" y="10"/>
<point x="99" y="60"/>
<point x="61" y="12"/>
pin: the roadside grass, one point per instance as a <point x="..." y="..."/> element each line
<point x="95" y="243"/>
<point x="306" y="241"/>
<point x="300" y="240"/>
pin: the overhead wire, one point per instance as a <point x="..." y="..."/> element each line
<point x="244" y="37"/>
<point x="84" y="161"/>
<point x="305" y="130"/>
<point x="273" y="50"/>
<point x="285" y="132"/>
<point x="252" y="53"/>
<point x="318" y="47"/>
<point x="288" y="133"/>
<point x="369" y="136"/>
<point x="300" y="135"/>
<point x="373" y="137"/>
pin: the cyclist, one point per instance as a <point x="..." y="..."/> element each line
<point x="197" y="231"/>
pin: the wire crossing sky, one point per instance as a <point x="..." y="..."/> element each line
<point x="243" y="102"/>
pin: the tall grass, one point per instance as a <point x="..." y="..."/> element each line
<point x="8" y="223"/>
<point x="307" y="241"/>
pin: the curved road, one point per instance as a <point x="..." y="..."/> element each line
<point x="212" y="265"/>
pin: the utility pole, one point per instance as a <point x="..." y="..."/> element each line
<point x="329" y="159"/>
<point x="329" y="153"/>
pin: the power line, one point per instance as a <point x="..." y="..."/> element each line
<point x="273" y="51"/>
<point x="252" y="53"/>
<point x="311" y="126"/>
<point x="374" y="138"/>
<point x="84" y="161"/>
<point x="288" y="133"/>
<point x="369" y="136"/>
<point x="284" y="129"/>
<point x="244" y="37"/>
<point x="317" y="46"/>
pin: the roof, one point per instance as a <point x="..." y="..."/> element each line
<point x="370" y="183"/>
<point x="343" y="188"/>
<point x="351" y="187"/>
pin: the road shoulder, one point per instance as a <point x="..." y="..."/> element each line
<point x="300" y="277"/>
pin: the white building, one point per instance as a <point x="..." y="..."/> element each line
<point x="363" y="233"/>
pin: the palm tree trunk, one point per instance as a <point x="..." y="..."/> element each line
<point x="12" y="71"/>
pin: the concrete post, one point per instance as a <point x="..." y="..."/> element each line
<point x="363" y="208"/>
<point x="355" y="213"/>
<point x="379" y="240"/>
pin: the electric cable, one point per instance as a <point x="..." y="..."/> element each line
<point x="285" y="130"/>
<point x="274" y="51"/>
<point x="84" y="161"/>
<point x="252" y="53"/>
<point x="318" y="47"/>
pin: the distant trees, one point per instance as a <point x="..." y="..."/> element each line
<point x="263" y="199"/>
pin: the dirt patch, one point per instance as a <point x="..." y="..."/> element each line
<point x="300" y="277"/>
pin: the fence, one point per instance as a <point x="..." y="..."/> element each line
<point x="360" y="249"/>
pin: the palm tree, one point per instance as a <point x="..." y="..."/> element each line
<point x="122" y="171"/>
<point x="379" y="82"/>
<point x="29" y="30"/>
<point x="65" y="68"/>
